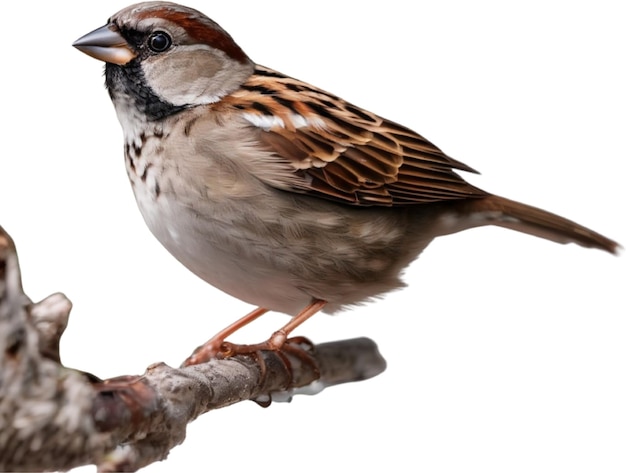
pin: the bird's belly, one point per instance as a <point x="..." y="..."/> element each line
<point x="281" y="253"/>
<point x="215" y="253"/>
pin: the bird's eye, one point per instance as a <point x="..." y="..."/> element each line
<point x="159" y="41"/>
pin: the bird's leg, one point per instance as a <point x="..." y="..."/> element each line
<point x="299" y="348"/>
<point x="217" y="346"/>
<point x="279" y="337"/>
<point x="214" y="346"/>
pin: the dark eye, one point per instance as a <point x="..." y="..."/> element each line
<point x="159" y="41"/>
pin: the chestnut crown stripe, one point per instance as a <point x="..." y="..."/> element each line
<point x="201" y="29"/>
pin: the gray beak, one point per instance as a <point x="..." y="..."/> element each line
<point x="106" y="45"/>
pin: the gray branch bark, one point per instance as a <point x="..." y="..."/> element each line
<point x="56" y="418"/>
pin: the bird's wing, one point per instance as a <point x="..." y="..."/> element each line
<point x="344" y="153"/>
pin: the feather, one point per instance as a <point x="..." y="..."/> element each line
<point x="341" y="152"/>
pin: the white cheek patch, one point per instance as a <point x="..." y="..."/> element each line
<point x="197" y="95"/>
<point x="194" y="74"/>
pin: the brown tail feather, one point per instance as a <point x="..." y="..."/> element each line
<point x="524" y="218"/>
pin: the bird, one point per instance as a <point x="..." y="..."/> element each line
<point x="275" y="191"/>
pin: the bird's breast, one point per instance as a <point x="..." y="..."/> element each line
<point x="267" y="247"/>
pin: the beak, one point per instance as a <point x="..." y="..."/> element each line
<point x="106" y="45"/>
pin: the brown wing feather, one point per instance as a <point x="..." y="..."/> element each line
<point x="342" y="152"/>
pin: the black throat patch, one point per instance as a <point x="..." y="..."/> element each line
<point x="129" y="80"/>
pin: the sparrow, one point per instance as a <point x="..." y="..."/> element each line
<point x="279" y="193"/>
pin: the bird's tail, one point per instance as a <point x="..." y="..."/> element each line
<point x="495" y="210"/>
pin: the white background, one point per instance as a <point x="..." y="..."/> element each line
<point x="506" y="352"/>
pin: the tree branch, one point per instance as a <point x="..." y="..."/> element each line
<point x="56" y="418"/>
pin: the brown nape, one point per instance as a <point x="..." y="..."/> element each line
<point x="533" y="221"/>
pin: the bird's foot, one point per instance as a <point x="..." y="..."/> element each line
<point x="295" y="348"/>
<point x="217" y="347"/>
<point x="289" y="351"/>
<point x="213" y="349"/>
